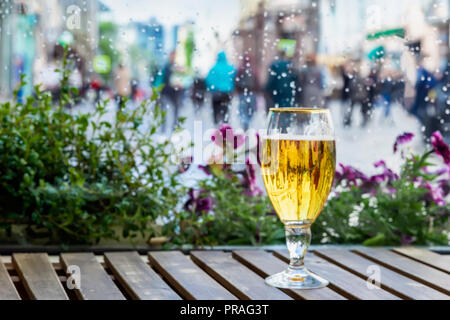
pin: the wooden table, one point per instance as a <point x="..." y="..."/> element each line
<point x="405" y="273"/>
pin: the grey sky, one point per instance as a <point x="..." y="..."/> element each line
<point x="221" y="15"/>
<point x="210" y="16"/>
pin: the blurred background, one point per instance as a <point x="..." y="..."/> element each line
<point x="380" y="66"/>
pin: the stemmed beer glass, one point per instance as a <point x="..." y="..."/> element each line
<point x="298" y="165"/>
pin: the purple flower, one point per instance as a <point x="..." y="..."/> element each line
<point x="390" y="175"/>
<point x="185" y="164"/>
<point x="206" y="169"/>
<point x="380" y="163"/>
<point x="249" y="183"/>
<point x="369" y="185"/>
<point x="391" y="190"/>
<point x="377" y="179"/>
<point x="350" y="174"/>
<point x="440" y="147"/>
<point x="198" y="202"/>
<point x="407" y="239"/>
<point x="402" y="139"/>
<point x="224" y="137"/>
<point x="444" y="184"/>
<point x="204" y="204"/>
<point x="387" y="175"/>
<point x="256" y="192"/>
<point x="435" y="193"/>
<point x="438" y="172"/>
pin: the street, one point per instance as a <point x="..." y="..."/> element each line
<point x="356" y="146"/>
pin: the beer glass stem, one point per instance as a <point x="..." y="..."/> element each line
<point x="297" y="240"/>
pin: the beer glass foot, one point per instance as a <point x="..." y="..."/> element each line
<point x="298" y="278"/>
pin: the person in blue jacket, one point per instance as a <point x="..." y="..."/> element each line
<point x="220" y="82"/>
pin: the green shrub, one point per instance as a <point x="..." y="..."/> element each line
<point x="76" y="177"/>
<point x="390" y="209"/>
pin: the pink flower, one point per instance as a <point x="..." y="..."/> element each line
<point x="206" y="169"/>
<point x="435" y="193"/>
<point x="185" y="164"/>
<point x="387" y="175"/>
<point x="407" y="239"/>
<point x="440" y="147"/>
<point x="380" y="163"/>
<point x="198" y="202"/>
<point x="225" y="137"/>
<point x="444" y="184"/>
<point x="249" y="183"/>
<point x="369" y="185"/>
<point x="402" y="139"/>
<point x="350" y="174"/>
<point x="438" y="172"/>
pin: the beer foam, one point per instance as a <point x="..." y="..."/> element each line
<point x="293" y="137"/>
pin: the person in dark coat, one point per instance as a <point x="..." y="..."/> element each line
<point x="282" y="84"/>
<point x="198" y="93"/>
<point x="171" y="93"/>
<point x="246" y="87"/>
<point x="425" y="82"/>
<point x="311" y="82"/>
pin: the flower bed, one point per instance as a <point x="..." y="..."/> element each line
<point x="384" y="209"/>
<point x="74" y="178"/>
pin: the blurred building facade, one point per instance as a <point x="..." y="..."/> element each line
<point x="264" y="23"/>
<point x="355" y="27"/>
<point x="30" y="29"/>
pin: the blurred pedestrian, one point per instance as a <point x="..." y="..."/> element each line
<point x="50" y="79"/>
<point x="311" y="82"/>
<point x="96" y="86"/>
<point x="362" y="92"/>
<point x="282" y="84"/>
<point x="442" y="101"/>
<point x="346" y="75"/>
<point x="357" y="95"/>
<point x="122" y="85"/>
<point x="172" y="92"/>
<point x="198" y="93"/>
<point x="220" y="82"/>
<point x="246" y="87"/>
<point x="391" y="86"/>
<point x="424" y="83"/>
<point x="371" y="84"/>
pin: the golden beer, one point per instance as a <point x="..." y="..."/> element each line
<point x="298" y="174"/>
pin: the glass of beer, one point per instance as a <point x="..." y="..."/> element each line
<point x="298" y="165"/>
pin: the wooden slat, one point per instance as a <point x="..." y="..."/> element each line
<point x="7" y="289"/>
<point x="95" y="282"/>
<point x="238" y="279"/>
<point x="428" y="257"/>
<point x="408" y="267"/>
<point x="390" y="280"/>
<point x="138" y="279"/>
<point x="38" y="276"/>
<point x="184" y="275"/>
<point x="265" y="264"/>
<point x="341" y="280"/>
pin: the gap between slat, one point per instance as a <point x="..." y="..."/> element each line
<point x="403" y="273"/>
<point x="421" y="261"/>
<point x="342" y="266"/>
<point x="330" y="285"/>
